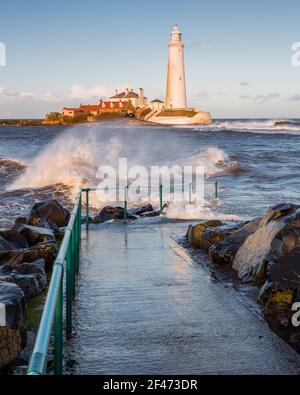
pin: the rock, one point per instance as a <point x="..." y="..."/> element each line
<point x="276" y="241"/>
<point x="52" y="212"/>
<point x="83" y="220"/>
<point x="13" y="334"/>
<point x="278" y="313"/>
<point x="12" y="240"/>
<point x="30" y="277"/>
<point x="279" y="211"/>
<point x="194" y="234"/>
<point x="112" y="213"/>
<point x="46" y="250"/>
<point x="21" y="221"/>
<point x="142" y="210"/>
<point x="209" y="233"/>
<point x="35" y="235"/>
<point x="224" y="252"/>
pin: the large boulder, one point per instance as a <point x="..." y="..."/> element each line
<point x="224" y="252"/>
<point x="275" y="241"/>
<point x="194" y="233"/>
<point x="35" y="235"/>
<point x="277" y="308"/>
<point x="51" y="212"/>
<point x="13" y="322"/>
<point x="112" y="213"/>
<point x="30" y="277"/>
<point x="142" y="210"/>
<point x="12" y="240"/>
<point x="209" y="233"/>
<point x="46" y="251"/>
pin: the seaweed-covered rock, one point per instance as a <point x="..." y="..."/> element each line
<point x="35" y="235"/>
<point x="195" y="233"/>
<point x="46" y="251"/>
<point x="210" y="233"/>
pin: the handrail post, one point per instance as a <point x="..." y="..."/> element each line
<point x="161" y="199"/>
<point x="216" y="190"/>
<point x="190" y="192"/>
<point x="58" y="332"/>
<point x="125" y="203"/>
<point x="87" y="207"/>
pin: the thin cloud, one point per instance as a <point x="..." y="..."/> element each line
<point x="77" y="92"/>
<point x="244" y="83"/>
<point x="294" y="98"/>
<point x="261" y="98"/>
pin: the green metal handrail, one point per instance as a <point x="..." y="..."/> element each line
<point x="126" y="189"/>
<point x="67" y="262"/>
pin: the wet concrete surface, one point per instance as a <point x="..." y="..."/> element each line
<point x="145" y="307"/>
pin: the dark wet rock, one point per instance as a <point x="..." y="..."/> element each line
<point x="224" y="252"/>
<point x="35" y="235"/>
<point x="194" y="234"/>
<point x="13" y="333"/>
<point x="21" y="221"/>
<point x="30" y="277"/>
<point x="12" y="240"/>
<point x="278" y="313"/>
<point x="83" y="220"/>
<point x="273" y="249"/>
<point x="209" y="233"/>
<point x="46" y="251"/>
<point x="52" y="212"/>
<point x="112" y="213"/>
<point x="142" y="210"/>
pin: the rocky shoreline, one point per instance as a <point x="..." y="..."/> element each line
<point x="265" y="253"/>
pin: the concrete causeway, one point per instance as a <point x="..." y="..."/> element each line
<point x="144" y="307"/>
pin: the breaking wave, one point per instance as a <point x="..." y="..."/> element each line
<point x="73" y="159"/>
<point x="272" y="126"/>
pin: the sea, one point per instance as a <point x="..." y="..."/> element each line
<point x="256" y="163"/>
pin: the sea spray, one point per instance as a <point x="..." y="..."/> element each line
<point x="74" y="158"/>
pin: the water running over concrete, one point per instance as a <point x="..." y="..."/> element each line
<point x="144" y="307"/>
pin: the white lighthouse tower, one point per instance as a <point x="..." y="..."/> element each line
<point x="176" y="89"/>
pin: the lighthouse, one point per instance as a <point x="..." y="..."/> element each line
<point x="176" y="89"/>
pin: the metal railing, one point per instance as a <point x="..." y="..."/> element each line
<point x="126" y="189"/>
<point x="66" y="263"/>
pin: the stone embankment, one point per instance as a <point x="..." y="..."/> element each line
<point x="265" y="252"/>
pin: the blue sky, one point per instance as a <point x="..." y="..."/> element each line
<point x="238" y="53"/>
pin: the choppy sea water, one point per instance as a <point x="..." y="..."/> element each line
<point x="256" y="162"/>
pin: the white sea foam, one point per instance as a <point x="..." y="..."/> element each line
<point x="210" y="211"/>
<point x="269" y="126"/>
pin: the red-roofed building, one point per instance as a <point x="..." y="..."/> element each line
<point x="91" y="109"/>
<point x="72" y="112"/>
